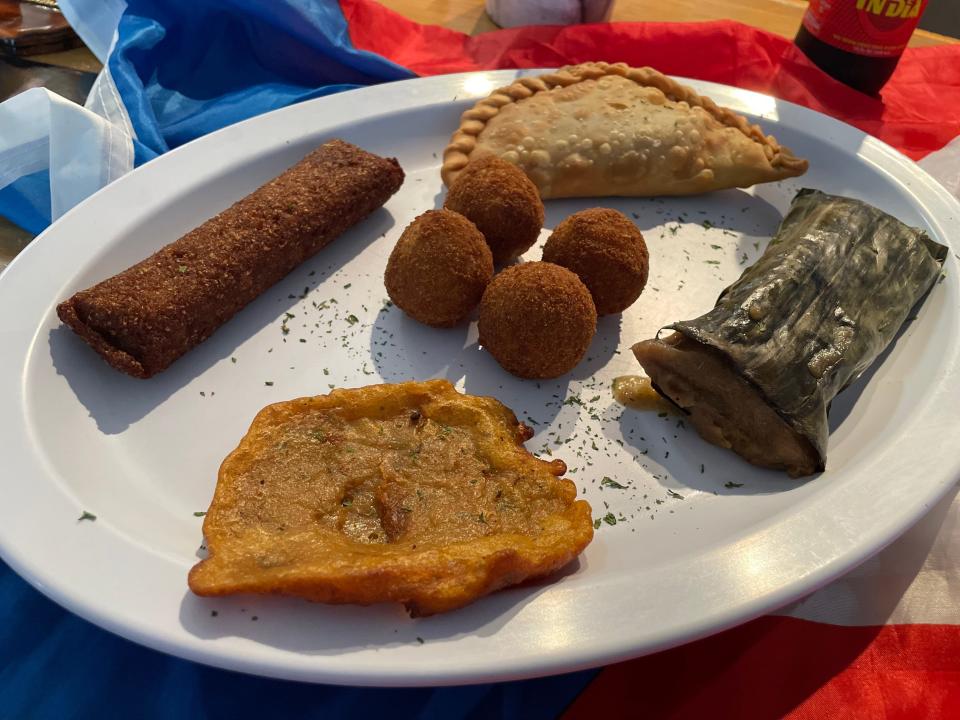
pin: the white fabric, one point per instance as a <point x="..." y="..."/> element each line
<point x="944" y="165"/>
<point x="84" y="149"/>
<point x="95" y="22"/>
<point x="98" y="21"/>
<point x="40" y="129"/>
<point x="105" y="101"/>
<point x="514" y="13"/>
<point x="914" y="580"/>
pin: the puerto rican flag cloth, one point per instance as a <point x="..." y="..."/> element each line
<point x="881" y="642"/>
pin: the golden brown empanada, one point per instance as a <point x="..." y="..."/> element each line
<point x="599" y="129"/>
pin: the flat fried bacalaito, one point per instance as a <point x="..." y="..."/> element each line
<point x="410" y="493"/>
<point x="598" y="129"/>
<point x="758" y="372"/>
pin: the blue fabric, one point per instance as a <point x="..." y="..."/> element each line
<point x="185" y="69"/>
<point x="55" y="666"/>
<point x="141" y="153"/>
<point x="27" y="202"/>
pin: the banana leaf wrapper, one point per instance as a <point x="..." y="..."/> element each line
<point x="758" y="372"/>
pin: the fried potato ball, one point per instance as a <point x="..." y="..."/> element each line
<point x="607" y="253"/>
<point x="537" y="319"/>
<point x="502" y="202"/>
<point x="439" y="268"/>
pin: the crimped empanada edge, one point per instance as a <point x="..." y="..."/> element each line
<point x="464" y="140"/>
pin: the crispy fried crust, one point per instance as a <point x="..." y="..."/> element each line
<point x="606" y="251"/>
<point x="502" y="202"/>
<point x="144" y="318"/>
<point x="408" y="493"/>
<point x="439" y="268"/>
<point x="537" y="319"/>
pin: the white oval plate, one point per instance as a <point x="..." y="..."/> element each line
<point x="702" y="540"/>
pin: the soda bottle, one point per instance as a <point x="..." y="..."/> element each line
<point x="859" y="42"/>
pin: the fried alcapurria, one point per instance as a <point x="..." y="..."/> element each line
<point x="410" y="493"/>
<point x="146" y="317"/>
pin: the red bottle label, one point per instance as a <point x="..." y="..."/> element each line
<point x="875" y="28"/>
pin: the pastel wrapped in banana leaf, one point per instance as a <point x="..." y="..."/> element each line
<point x="758" y="372"/>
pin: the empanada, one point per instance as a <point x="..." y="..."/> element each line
<point x="599" y="129"/>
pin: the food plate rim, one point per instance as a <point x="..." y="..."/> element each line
<point x="365" y="104"/>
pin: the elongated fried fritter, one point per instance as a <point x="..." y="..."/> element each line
<point x="144" y="318"/>
<point x="410" y="493"/>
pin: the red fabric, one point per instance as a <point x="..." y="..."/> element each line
<point x="781" y="667"/>
<point x="919" y="110"/>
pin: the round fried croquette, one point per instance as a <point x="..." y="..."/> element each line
<point x="439" y="268"/>
<point x="537" y="319"/>
<point x="607" y="253"/>
<point x="502" y="202"/>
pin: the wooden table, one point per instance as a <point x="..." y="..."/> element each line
<point x="778" y="16"/>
